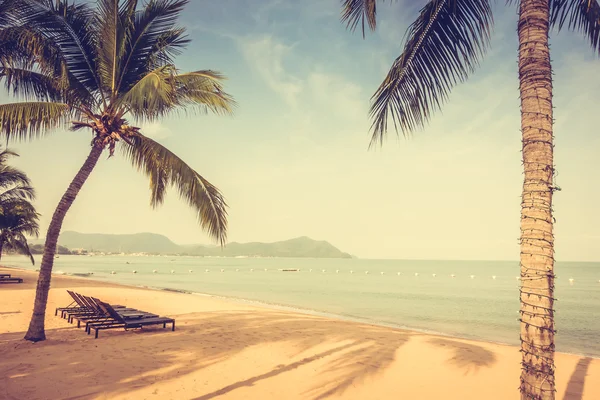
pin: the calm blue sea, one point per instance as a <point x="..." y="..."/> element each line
<point x="391" y="293"/>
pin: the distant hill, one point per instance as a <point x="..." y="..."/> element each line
<point x="155" y="243"/>
<point x="131" y="243"/>
<point x="298" y="247"/>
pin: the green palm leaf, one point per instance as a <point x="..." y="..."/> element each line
<point x="28" y="120"/>
<point x="442" y="48"/>
<point x="68" y="27"/>
<point x="357" y="12"/>
<point x="18" y="192"/>
<point x="152" y="96"/>
<point x="166" y="169"/>
<point x="18" y="242"/>
<point x="30" y="84"/>
<point x="152" y="40"/>
<point x="582" y="16"/>
<point x="203" y="89"/>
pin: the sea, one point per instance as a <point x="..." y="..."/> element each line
<point x="467" y="299"/>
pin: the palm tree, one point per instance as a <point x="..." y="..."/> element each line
<point x="89" y="67"/>
<point x="17" y="219"/>
<point x="443" y="47"/>
<point x="17" y="215"/>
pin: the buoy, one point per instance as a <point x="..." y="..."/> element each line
<point x="382" y="273"/>
<point x="337" y="271"/>
<point x="518" y="277"/>
<point x="367" y="272"/>
<point x="452" y="276"/>
<point x="265" y="269"/>
<point x="251" y="269"/>
<point x="351" y="272"/>
<point x="154" y="271"/>
<point x="493" y="276"/>
<point x="323" y="271"/>
<point x="472" y="276"/>
<point x="416" y="274"/>
<point x="399" y="273"/>
<point x="310" y="270"/>
<point x="190" y="271"/>
<point x="237" y="270"/>
<point x="433" y="275"/>
<point x="222" y="270"/>
<point x="112" y="272"/>
<point x="207" y="270"/>
<point x="134" y="271"/>
<point x="172" y="271"/>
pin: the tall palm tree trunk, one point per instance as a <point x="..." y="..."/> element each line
<point x="36" y="332"/>
<point x="537" y="240"/>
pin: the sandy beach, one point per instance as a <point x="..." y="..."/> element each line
<point x="229" y="350"/>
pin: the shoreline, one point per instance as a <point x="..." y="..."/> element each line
<point x="228" y="349"/>
<point x="300" y="310"/>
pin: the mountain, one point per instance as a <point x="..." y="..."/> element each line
<point x="154" y="243"/>
<point x="298" y="247"/>
<point x="131" y="243"/>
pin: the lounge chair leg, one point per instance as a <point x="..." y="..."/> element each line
<point x="164" y="325"/>
<point x="173" y="326"/>
<point x="96" y="337"/>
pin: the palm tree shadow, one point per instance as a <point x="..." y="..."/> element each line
<point x="467" y="356"/>
<point x="346" y="351"/>
<point x="274" y="372"/>
<point x="577" y="381"/>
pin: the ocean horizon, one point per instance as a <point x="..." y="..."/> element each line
<point x="460" y="298"/>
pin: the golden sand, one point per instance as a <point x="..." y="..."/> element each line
<point x="229" y="350"/>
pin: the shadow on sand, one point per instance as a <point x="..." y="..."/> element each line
<point x="577" y="381"/>
<point x="355" y="352"/>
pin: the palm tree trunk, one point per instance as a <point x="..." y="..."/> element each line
<point x="537" y="239"/>
<point x="1" y="245"/>
<point x="36" y="332"/>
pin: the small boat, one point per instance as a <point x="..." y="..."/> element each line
<point x="289" y="270"/>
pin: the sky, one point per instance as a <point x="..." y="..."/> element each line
<point x="294" y="160"/>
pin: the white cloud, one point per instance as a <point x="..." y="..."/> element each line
<point x="335" y="94"/>
<point x="266" y="55"/>
<point x="155" y="130"/>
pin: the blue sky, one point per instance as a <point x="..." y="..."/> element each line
<point x="293" y="160"/>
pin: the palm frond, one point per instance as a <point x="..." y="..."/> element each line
<point x="22" y="49"/>
<point x="357" y="12"/>
<point x="10" y="177"/>
<point x="203" y="89"/>
<point x="152" y="96"/>
<point x="443" y="47"/>
<point x="166" y="47"/>
<point x="152" y="40"/>
<point x="17" y="193"/>
<point x="19" y="243"/>
<point x="166" y="169"/>
<point x="30" y="85"/>
<point x="582" y="16"/>
<point x="28" y="120"/>
<point x="68" y="27"/>
<point x="113" y="24"/>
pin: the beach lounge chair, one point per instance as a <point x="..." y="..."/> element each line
<point x="120" y="322"/>
<point x="102" y="316"/>
<point x="89" y="308"/>
<point x="6" y="278"/>
<point x="75" y="305"/>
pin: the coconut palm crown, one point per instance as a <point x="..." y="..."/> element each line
<point x="443" y="47"/>
<point x="101" y="67"/>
